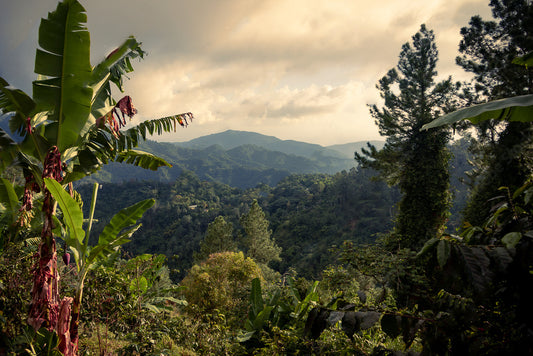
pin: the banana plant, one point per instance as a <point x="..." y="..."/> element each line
<point x="276" y="310"/>
<point x="116" y="233"/>
<point x="69" y="128"/>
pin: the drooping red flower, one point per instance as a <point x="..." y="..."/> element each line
<point x="66" y="258"/>
<point x="44" y="307"/>
<point x="53" y="168"/>
<point x="29" y="129"/>
<point x="123" y="108"/>
<point x="52" y="165"/>
<point x="29" y="188"/>
<point x="126" y="108"/>
<point x="66" y="346"/>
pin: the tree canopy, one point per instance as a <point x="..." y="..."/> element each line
<point x="257" y="237"/>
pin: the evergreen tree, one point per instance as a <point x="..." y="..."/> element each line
<point x="218" y="238"/>
<point x="257" y="240"/>
<point x="415" y="160"/>
<point x="487" y="50"/>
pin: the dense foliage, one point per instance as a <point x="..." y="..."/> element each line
<point x="243" y="166"/>
<point x="488" y="48"/>
<point x="308" y="214"/>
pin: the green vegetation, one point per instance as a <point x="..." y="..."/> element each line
<point x="488" y="50"/>
<point x="218" y="238"/>
<point x="257" y="237"/>
<point x="243" y="166"/>
<point x="313" y="264"/>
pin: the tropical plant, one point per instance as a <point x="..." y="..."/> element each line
<point x="488" y="50"/>
<point x="151" y="284"/>
<point x="116" y="233"/>
<point x="518" y="108"/>
<point x="70" y="128"/>
<point x="284" y="308"/>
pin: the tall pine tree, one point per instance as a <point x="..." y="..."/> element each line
<point x="415" y="160"/>
<point x="257" y="240"/>
<point x="487" y="51"/>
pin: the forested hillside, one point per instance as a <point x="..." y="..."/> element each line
<point x="242" y="166"/>
<point x="308" y="214"/>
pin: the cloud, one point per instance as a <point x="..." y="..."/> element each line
<point x="293" y="69"/>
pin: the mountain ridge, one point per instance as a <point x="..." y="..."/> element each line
<point x="233" y="138"/>
<point x="238" y="158"/>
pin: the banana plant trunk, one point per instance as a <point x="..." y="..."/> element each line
<point x="75" y="321"/>
<point x="45" y="309"/>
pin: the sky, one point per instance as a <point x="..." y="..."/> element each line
<point x="300" y="70"/>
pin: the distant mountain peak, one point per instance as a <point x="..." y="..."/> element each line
<point x="231" y="139"/>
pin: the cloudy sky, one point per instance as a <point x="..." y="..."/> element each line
<point x="295" y="69"/>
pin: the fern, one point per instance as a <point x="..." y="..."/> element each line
<point x="455" y="301"/>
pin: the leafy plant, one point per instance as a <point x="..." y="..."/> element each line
<point x="112" y="237"/>
<point x="64" y="132"/>
<point x="149" y="272"/>
<point x="279" y="310"/>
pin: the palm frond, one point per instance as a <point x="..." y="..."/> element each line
<point x="142" y="159"/>
<point x="130" y="137"/>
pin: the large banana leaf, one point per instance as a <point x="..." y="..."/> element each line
<point x="21" y="105"/>
<point x="118" y="62"/>
<point x="72" y="214"/>
<point x="142" y="159"/>
<point x="110" y="70"/>
<point x="8" y="149"/>
<point x="72" y="218"/>
<point x="111" y="236"/>
<point x="123" y="219"/>
<point x="64" y="63"/>
<point x="9" y="202"/>
<point x="518" y="108"/>
<point x="15" y="101"/>
<point x="130" y="137"/>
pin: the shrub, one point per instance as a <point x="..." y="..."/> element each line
<point x="222" y="283"/>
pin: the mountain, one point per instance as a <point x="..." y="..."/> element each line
<point x="232" y="138"/>
<point x="237" y="158"/>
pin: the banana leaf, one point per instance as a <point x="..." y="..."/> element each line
<point x="518" y="108"/>
<point x="63" y="62"/>
<point x="9" y="202"/>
